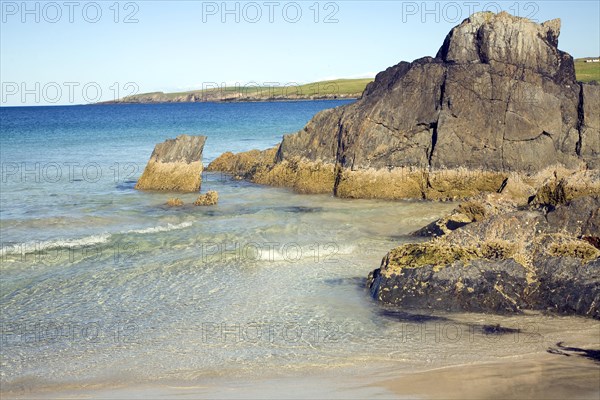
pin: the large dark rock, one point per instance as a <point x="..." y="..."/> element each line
<point x="457" y="287"/>
<point x="580" y="218"/>
<point x="566" y="285"/>
<point x="499" y="96"/>
<point x="523" y="259"/>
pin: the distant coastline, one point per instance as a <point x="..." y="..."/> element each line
<point x="340" y="89"/>
<point x="228" y="100"/>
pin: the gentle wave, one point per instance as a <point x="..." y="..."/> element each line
<point x="92" y="240"/>
<point x="32" y="247"/>
<point x="163" y="228"/>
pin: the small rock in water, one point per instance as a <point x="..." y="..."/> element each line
<point x="175" y="165"/>
<point x="174" y="202"/>
<point x="210" y="198"/>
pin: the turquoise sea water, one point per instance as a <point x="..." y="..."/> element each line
<point x="102" y="284"/>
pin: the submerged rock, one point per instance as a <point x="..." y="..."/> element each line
<point x="210" y="198"/>
<point x="524" y="259"/>
<point x="174" y="202"/>
<point x="498" y="99"/>
<point x="175" y="165"/>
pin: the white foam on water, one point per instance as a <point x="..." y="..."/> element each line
<point x="35" y="246"/>
<point x="162" y="228"/>
<point x="90" y="240"/>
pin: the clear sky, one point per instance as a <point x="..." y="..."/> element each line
<point x="66" y="52"/>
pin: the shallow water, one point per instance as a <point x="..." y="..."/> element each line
<point x="104" y="285"/>
<point x="266" y="280"/>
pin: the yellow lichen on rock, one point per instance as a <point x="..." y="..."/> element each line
<point x="244" y="164"/>
<point x="564" y="185"/>
<point x="416" y="183"/>
<point x="300" y="175"/>
<point x="553" y="185"/>
<point x="574" y="248"/>
<point x="474" y="211"/>
<point x="210" y="198"/>
<point x="399" y="183"/>
<point x="260" y="167"/>
<point x="498" y="249"/>
<point x="224" y="163"/>
<point x="437" y="253"/>
<point x="174" y="177"/>
<point x="461" y="183"/>
<point x="442" y="252"/>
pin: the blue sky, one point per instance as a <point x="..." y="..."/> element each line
<point x="181" y="45"/>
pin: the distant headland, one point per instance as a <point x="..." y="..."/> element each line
<point x="322" y="90"/>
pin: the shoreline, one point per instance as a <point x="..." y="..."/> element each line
<point x="269" y="100"/>
<point x="542" y="376"/>
<point x="538" y="367"/>
<point x="535" y="375"/>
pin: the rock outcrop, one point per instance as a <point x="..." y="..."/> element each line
<point x="498" y="98"/>
<point x="175" y="165"/>
<point x="547" y="189"/>
<point x="524" y="259"/>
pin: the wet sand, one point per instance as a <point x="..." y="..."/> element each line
<point x="545" y="376"/>
<point x="538" y="376"/>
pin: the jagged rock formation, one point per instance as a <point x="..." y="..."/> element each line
<point x="175" y="165"/>
<point x="524" y="259"/>
<point x="499" y="97"/>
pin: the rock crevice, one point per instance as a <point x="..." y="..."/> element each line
<point x="580" y="119"/>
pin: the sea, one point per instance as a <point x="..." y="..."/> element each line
<point x="104" y="286"/>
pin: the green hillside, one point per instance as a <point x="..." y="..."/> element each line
<point x="339" y="88"/>
<point x="587" y="72"/>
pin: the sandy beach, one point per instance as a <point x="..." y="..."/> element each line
<point x="538" y="376"/>
<point x="543" y="376"/>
